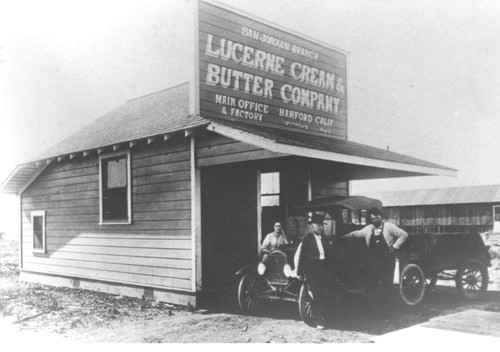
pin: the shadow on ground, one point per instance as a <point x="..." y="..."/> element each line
<point x="356" y="312"/>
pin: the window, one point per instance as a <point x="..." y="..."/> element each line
<point x="270" y="189"/>
<point x="38" y="223"/>
<point x="115" y="189"/>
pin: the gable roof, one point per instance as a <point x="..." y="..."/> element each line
<point x="162" y="112"/>
<point x="167" y="112"/>
<point x="435" y="196"/>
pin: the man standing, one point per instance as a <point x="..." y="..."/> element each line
<point x="312" y="263"/>
<point x="384" y="240"/>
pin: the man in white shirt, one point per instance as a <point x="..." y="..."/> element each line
<point x="384" y="240"/>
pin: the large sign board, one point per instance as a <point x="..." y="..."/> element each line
<point x="255" y="73"/>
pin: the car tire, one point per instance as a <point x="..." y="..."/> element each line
<point x="471" y="279"/>
<point x="306" y="302"/>
<point x="248" y="293"/>
<point x="412" y="284"/>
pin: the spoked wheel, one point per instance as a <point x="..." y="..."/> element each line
<point x="412" y="284"/>
<point x="248" y="290"/>
<point x="430" y="281"/>
<point x="472" y="279"/>
<point x="306" y="302"/>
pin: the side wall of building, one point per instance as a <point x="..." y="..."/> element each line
<point x="151" y="254"/>
<point x="448" y="218"/>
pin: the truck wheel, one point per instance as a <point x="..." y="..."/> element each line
<point x="306" y="302"/>
<point x="472" y="279"/>
<point x="412" y="284"/>
<point x="248" y="293"/>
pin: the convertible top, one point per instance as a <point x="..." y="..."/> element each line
<point x="327" y="204"/>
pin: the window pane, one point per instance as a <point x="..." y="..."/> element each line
<point x="270" y="201"/>
<point x="38" y="232"/>
<point x="270" y="183"/>
<point x="117" y="173"/>
<point x="115" y="206"/>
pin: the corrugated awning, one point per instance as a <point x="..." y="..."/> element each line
<point x="437" y="196"/>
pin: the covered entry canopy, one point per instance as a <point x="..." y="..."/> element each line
<point x="156" y="116"/>
<point x="359" y="161"/>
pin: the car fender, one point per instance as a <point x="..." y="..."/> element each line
<point x="251" y="268"/>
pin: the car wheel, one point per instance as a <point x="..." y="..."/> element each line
<point x="472" y="279"/>
<point x="306" y="302"/>
<point x="412" y="284"/>
<point x="248" y="292"/>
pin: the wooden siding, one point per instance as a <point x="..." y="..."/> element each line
<point x="155" y="250"/>
<point x="454" y="218"/>
<point x="213" y="149"/>
<point x="326" y="180"/>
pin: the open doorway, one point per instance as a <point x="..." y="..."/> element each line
<point x="271" y="206"/>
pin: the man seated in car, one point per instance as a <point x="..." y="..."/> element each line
<point x="272" y="241"/>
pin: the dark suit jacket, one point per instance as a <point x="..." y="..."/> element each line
<point x="309" y="255"/>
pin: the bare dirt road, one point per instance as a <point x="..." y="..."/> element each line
<point x="31" y="312"/>
<point x="84" y="316"/>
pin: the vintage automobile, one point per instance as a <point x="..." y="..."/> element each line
<point x="422" y="259"/>
<point x="461" y="257"/>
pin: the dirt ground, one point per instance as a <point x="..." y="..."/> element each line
<point x="75" y="315"/>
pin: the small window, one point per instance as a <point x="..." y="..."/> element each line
<point x="38" y="224"/>
<point x="115" y="189"/>
<point x="270" y="189"/>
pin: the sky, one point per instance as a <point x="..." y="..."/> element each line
<point x="423" y="76"/>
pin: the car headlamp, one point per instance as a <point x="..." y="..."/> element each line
<point x="287" y="270"/>
<point x="261" y="268"/>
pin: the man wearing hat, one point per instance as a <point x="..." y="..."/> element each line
<point x="312" y="263"/>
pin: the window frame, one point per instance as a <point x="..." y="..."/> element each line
<point x="102" y="159"/>
<point x="274" y="195"/>
<point x="39" y="213"/>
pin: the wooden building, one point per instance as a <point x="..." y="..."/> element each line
<point x="169" y="194"/>
<point x="444" y="210"/>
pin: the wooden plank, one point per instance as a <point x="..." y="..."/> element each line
<point x="232" y="158"/>
<point x="144" y="225"/>
<point x="77" y="187"/>
<point x="174" y="145"/>
<point x="112" y="266"/>
<point x="122" y="242"/>
<point x="94" y="170"/>
<point x="112" y="276"/>
<point x="130" y="260"/>
<point x="111" y="231"/>
<point x="224" y="149"/>
<point x="162" y="197"/>
<point x="30" y="204"/>
<point x="70" y="218"/>
<point x="212" y="139"/>
<point x="160" y="169"/>
<point x="162" y="215"/>
<point x="161" y="159"/>
<point x="75" y="210"/>
<point x="67" y="181"/>
<point x="163" y="187"/>
<point x="183" y="175"/>
<point x="73" y="165"/>
<point x="63" y="196"/>
<point x="120" y="251"/>
<point x="162" y="206"/>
